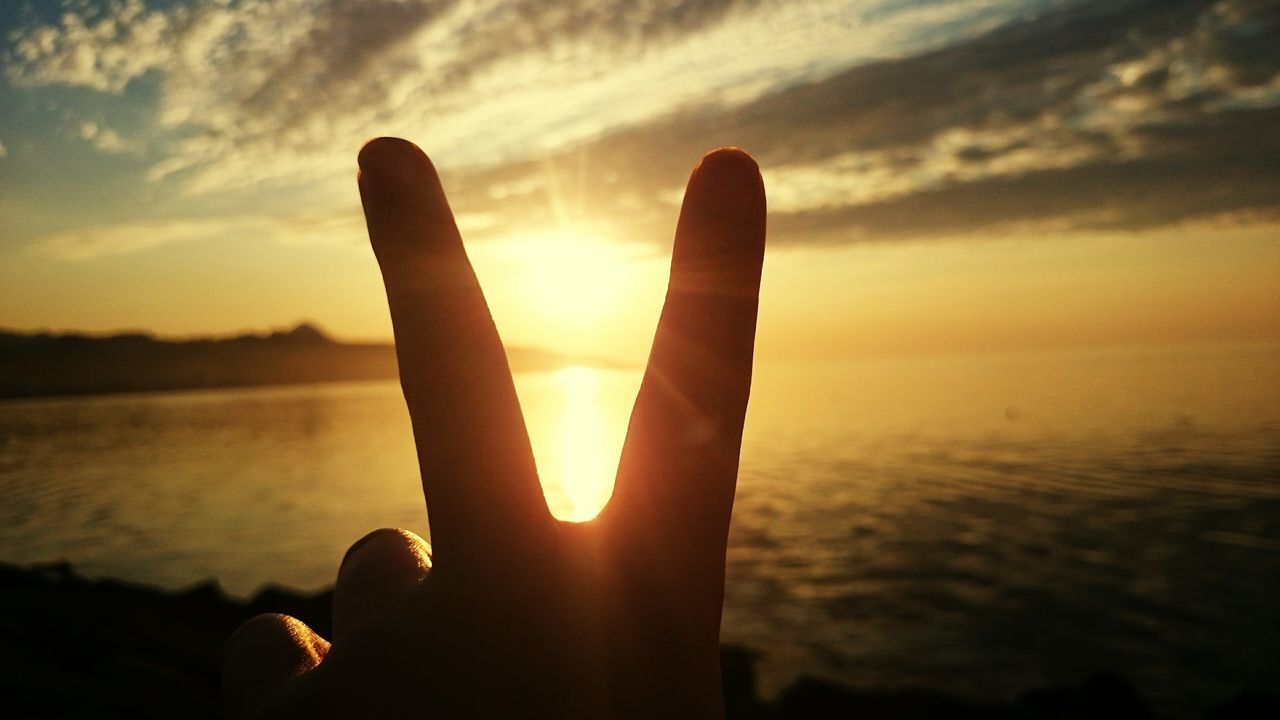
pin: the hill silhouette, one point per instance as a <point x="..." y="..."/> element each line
<point x="42" y="363"/>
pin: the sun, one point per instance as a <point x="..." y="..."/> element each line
<point x="569" y="277"/>
<point x="578" y="290"/>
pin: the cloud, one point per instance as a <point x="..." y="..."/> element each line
<point x="879" y="119"/>
<point x="1108" y="115"/>
<point x="128" y="238"/>
<point x="262" y="91"/>
<point x="104" y="139"/>
<point x="318" y="227"/>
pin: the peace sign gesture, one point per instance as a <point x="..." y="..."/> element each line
<point x="513" y="613"/>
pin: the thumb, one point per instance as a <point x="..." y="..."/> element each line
<point x="261" y="657"/>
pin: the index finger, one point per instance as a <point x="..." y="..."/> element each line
<point x="478" y="472"/>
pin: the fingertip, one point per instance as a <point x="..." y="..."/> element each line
<point x="720" y="236"/>
<point x="728" y="176"/>
<point x="728" y="159"/>
<point x="387" y="149"/>
<point x="386" y="162"/>
<point x="389" y="545"/>
<point x="405" y="207"/>
<point x="380" y="570"/>
<point x="272" y="637"/>
<point x="731" y="168"/>
<point x="265" y="653"/>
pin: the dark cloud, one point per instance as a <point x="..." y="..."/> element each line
<point x="522" y="25"/>
<point x="332" y="62"/>
<point x="253" y="91"/>
<point x="1093" y="114"/>
<point x="1102" y="115"/>
<point x="1133" y="195"/>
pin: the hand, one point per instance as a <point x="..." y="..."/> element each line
<point x="516" y="614"/>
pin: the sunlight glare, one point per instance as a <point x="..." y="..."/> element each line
<point x="570" y="278"/>
<point x="586" y="459"/>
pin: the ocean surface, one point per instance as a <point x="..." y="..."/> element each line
<point x="978" y="525"/>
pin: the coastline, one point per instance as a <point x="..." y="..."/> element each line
<point x="60" y="365"/>
<point x="71" y="646"/>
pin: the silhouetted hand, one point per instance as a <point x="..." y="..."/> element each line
<point x="516" y="614"/>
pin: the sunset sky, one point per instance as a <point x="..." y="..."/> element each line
<point x="942" y="176"/>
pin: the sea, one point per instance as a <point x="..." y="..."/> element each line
<point x="977" y="525"/>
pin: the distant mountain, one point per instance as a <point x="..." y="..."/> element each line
<point x="38" y="364"/>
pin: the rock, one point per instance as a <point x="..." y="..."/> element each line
<point x="75" y="647"/>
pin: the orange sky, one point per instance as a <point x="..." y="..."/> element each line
<point x="931" y="189"/>
<point x="1168" y="286"/>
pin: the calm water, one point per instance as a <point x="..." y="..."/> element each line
<point x="978" y="525"/>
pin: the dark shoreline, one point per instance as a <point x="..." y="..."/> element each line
<point x="43" y="364"/>
<point x="76" y="647"/>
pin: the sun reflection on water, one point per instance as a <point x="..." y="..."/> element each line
<point x="580" y="474"/>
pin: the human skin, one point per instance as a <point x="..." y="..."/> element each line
<point x="511" y="612"/>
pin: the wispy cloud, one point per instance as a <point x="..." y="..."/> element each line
<point x="129" y="237"/>
<point x="872" y="118"/>
<point x="253" y="91"/>
<point x="1098" y="116"/>
<point x="321" y="227"/>
<point x="104" y="139"/>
